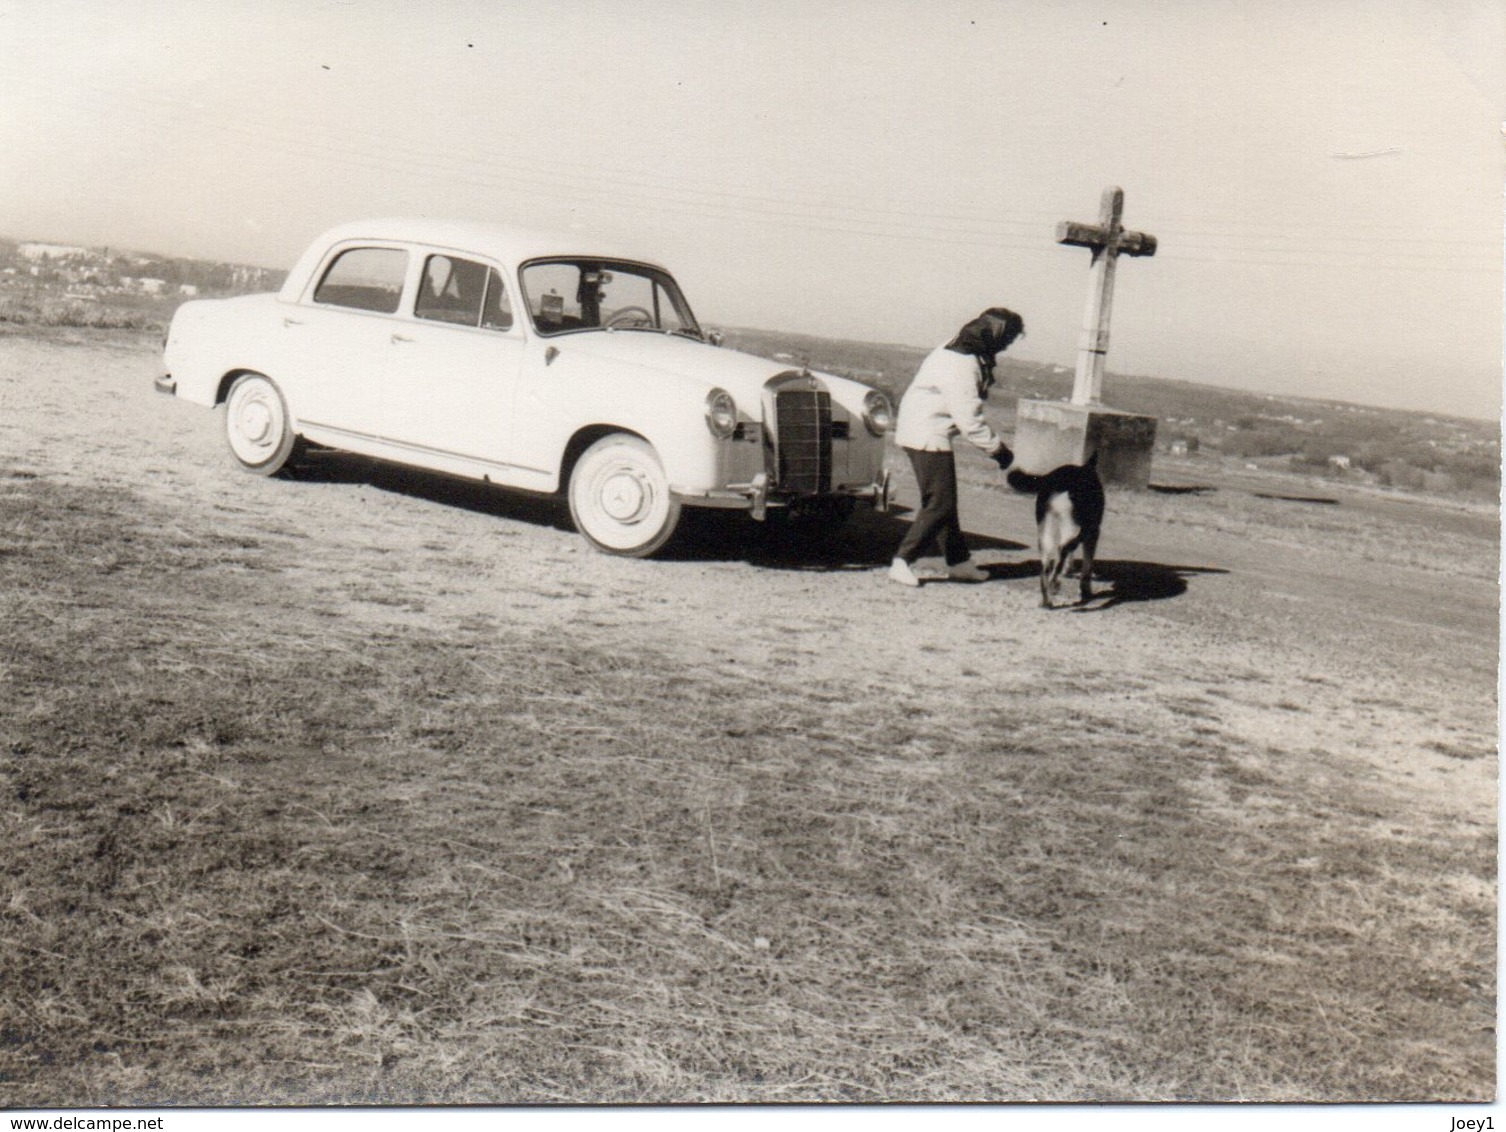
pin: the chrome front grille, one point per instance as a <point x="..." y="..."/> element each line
<point x="804" y="440"/>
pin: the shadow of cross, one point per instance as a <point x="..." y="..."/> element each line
<point x="1108" y="241"/>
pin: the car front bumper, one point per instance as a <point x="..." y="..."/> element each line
<point x="758" y="495"/>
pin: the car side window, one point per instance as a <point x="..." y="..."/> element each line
<point x="451" y="290"/>
<point x="554" y="296"/>
<point x="496" y="312"/>
<point x="365" y="279"/>
<point x="464" y="293"/>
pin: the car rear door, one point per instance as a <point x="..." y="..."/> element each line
<point x="341" y="336"/>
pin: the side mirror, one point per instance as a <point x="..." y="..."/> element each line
<point x="715" y="337"/>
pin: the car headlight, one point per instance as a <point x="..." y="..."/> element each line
<point x="878" y="412"/>
<point x="721" y="413"/>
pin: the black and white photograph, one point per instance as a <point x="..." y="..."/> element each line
<point x="663" y="556"/>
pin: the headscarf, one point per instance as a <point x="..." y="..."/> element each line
<point x="985" y="336"/>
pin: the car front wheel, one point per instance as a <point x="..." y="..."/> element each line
<point x="619" y="497"/>
<point x="258" y="427"/>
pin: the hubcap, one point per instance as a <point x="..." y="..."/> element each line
<point x="256" y="422"/>
<point x="623" y="496"/>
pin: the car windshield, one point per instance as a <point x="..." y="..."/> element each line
<point x="566" y="295"/>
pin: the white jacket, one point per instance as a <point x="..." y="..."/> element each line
<point x="943" y="402"/>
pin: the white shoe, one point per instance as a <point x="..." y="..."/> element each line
<point x="967" y="571"/>
<point x="899" y="571"/>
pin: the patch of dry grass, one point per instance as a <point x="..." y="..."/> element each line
<point x="44" y="310"/>
<point x="256" y="854"/>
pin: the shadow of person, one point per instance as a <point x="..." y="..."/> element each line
<point x="1137" y="581"/>
<point x="864" y="542"/>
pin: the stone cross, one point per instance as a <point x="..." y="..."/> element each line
<point x="1108" y="241"/>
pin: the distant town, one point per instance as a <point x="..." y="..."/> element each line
<point x="63" y="285"/>
<point x="93" y="275"/>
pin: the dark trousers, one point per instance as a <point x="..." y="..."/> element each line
<point x="937" y="521"/>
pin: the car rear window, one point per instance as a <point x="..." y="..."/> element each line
<point x="366" y="279"/>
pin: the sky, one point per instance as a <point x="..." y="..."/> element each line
<point x="1324" y="177"/>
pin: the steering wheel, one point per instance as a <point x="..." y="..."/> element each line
<point x="630" y="314"/>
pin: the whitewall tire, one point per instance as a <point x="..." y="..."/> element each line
<point x="258" y="428"/>
<point x="619" y="497"/>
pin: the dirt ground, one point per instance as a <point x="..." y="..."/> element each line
<point x="1371" y="620"/>
<point x="1354" y="633"/>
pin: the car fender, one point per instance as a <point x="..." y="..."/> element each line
<point x="564" y="392"/>
<point x="210" y="339"/>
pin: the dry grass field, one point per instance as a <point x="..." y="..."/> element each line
<point x="374" y="787"/>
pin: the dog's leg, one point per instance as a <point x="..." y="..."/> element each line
<point x="1089" y="550"/>
<point x="1050" y="542"/>
<point x="1063" y="560"/>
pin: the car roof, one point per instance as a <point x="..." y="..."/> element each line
<point x="507" y="243"/>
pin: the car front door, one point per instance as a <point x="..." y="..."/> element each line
<point x="453" y="368"/>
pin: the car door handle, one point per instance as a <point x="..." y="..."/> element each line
<point x="292" y="322"/>
<point x="400" y="338"/>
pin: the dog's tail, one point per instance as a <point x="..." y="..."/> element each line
<point x="1024" y="481"/>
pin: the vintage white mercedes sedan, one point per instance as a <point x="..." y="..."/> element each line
<point x="528" y="360"/>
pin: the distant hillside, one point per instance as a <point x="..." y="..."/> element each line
<point x="1344" y="442"/>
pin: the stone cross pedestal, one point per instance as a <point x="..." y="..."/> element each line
<point x="1051" y="433"/>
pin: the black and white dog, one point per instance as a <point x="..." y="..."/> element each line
<point x="1069" y="508"/>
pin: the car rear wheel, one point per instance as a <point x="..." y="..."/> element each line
<point x="258" y="427"/>
<point x="619" y="497"/>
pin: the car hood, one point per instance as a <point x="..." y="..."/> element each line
<point x="742" y="375"/>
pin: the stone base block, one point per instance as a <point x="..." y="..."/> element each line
<point x="1051" y="433"/>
